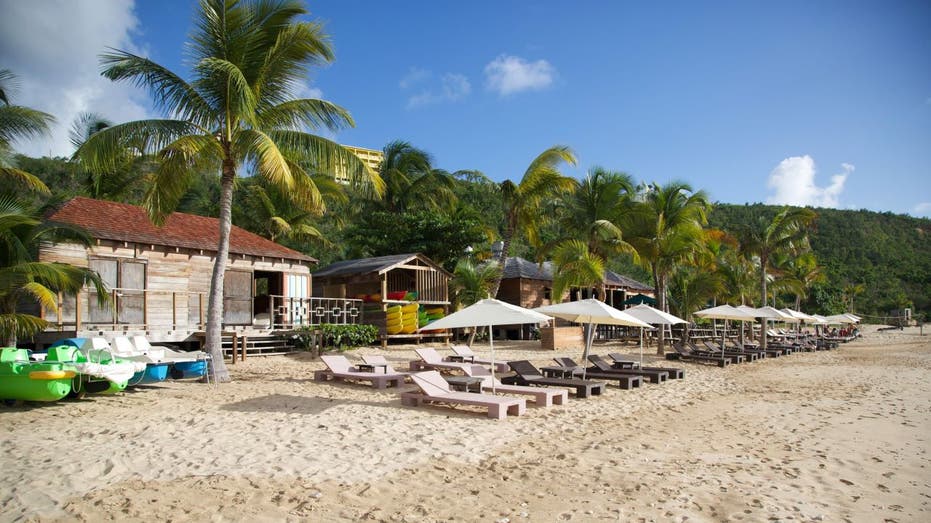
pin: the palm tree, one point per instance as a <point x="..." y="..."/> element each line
<point x="797" y="273"/>
<point x="523" y="201"/>
<point x="761" y="239"/>
<point x="575" y="266"/>
<point x="113" y="185"/>
<point x="270" y="212"/>
<point x="666" y="229"/>
<point x="23" y="279"/>
<point x="411" y="181"/>
<point x="594" y="212"/>
<point x="18" y="123"/>
<point x="238" y="110"/>
<point x="472" y="282"/>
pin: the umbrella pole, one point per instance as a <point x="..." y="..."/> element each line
<point x="589" y="338"/>
<point x="491" y="341"/>
<point x="641" y="347"/>
<point x="723" y="337"/>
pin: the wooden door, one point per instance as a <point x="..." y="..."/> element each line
<point x="237" y="298"/>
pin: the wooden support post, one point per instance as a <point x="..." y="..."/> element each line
<point x="244" y="341"/>
<point x="174" y="310"/>
<point x="235" y="345"/>
<point x="77" y="311"/>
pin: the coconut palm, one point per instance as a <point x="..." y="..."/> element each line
<point x="472" y="282"/>
<point x="762" y="238"/>
<point x="411" y="182"/>
<point x="796" y="274"/>
<point x="115" y="184"/>
<point x="575" y="265"/>
<point x="23" y="279"/>
<point x="270" y="212"/>
<point x="18" y="123"/>
<point x="248" y="60"/>
<point x="666" y="228"/>
<point x="523" y="201"/>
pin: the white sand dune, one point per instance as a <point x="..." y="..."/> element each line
<point x="839" y="435"/>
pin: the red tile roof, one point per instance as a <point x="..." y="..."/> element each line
<point x="122" y="222"/>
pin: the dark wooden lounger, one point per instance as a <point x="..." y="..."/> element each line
<point x="674" y="373"/>
<point x="684" y="354"/>
<point x="626" y="379"/>
<point x="527" y="374"/>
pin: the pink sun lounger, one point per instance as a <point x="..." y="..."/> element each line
<point x="339" y="368"/>
<point x="435" y="389"/>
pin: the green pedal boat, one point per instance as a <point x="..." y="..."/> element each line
<point x="25" y="380"/>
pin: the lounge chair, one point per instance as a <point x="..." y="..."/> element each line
<point x="655" y="375"/>
<point x="542" y="397"/>
<point x="685" y="353"/>
<point x="339" y="368"/>
<point x="465" y="352"/>
<point x="674" y="373"/>
<point x="715" y="349"/>
<point x="435" y="389"/>
<point x="527" y="374"/>
<point x="716" y="353"/>
<point x="626" y="379"/>
<point x="431" y="359"/>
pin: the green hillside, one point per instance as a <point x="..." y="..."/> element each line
<point x="888" y="254"/>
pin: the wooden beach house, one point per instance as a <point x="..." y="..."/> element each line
<point x="385" y="283"/>
<point x="159" y="279"/>
<point x="529" y="284"/>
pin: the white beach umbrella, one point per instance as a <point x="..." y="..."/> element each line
<point x="652" y="316"/>
<point x="840" y="319"/>
<point x="591" y="312"/>
<point x="488" y="312"/>
<point x="725" y="312"/>
<point x="766" y="313"/>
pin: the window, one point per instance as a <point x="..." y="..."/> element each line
<point x="128" y="278"/>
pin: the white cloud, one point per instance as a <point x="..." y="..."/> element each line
<point x="52" y="47"/>
<point x="512" y="74"/>
<point x="414" y="76"/>
<point x="793" y="181"/>
<point x="922" y="209"/>
<point x="450" y="87"/>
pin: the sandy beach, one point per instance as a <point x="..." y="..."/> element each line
<point x="828" y="436"/>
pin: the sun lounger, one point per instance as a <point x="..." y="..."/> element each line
<point x="625" y="379"/>
<point x="527" y="374"/>
<point x="654" y="375"/>
<point x="674" y="373"/>
<point x="685" y="353"/>
<point x="435" y="389"/>
<point x="542" y="397"/>
<point x="716" y="353"/>
<point x="465" y="352"/>
<point x="339" y="368"/>
<point x="715" y="349"/>
<point x="431" y="359"/>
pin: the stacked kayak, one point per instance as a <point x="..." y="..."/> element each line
<point x="402" y="319"/>
<point x="25" y="380"/>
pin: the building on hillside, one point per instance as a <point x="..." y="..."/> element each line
<point x="386" y="282"/>
<point x="370" y="157"/>
<point x="159" y="278"/>
<point x="530" y="285"/>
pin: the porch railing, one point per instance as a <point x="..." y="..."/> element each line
<point x="132" y="309"/>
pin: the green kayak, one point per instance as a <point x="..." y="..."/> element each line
<point x="25" y="380"/>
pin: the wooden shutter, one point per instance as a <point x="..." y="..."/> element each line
<point x="237" y="298"/>
<point x="131" y="298"/>
<point x="107" y="269"/>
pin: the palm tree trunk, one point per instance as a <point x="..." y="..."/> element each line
<point x="215" y="300"/>
<point x="505" y="249"/>
<point x="763" y="300"/>
<point x="660" y="280"/>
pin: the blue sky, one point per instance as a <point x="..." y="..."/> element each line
<point x="815" y="102"/>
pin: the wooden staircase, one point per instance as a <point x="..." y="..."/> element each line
<point x="269" y="345"/>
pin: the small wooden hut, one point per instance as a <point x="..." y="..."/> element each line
<point x="384" y="282"/>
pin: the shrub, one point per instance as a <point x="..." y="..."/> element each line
<point x="340" y="337"/>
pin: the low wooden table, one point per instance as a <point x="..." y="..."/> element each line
<point x="370" y="367"/>
<point x="465" y="383"/>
